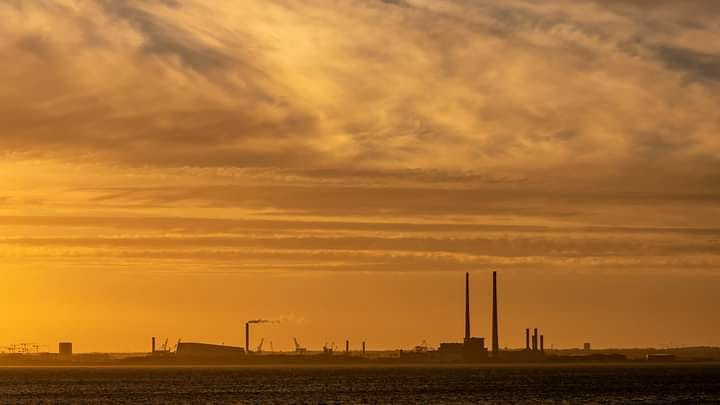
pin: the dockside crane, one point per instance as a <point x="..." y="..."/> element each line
<point x="329" y="349"/>
<point x="299" y="349"/>
<point x="247" y="330"/>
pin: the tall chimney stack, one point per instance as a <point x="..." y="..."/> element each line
<point x="495" y="343"/>
<point x="527" y="339"/>
<point x="153" y="344"/>
<point x="535" y="340"/>
<point x="247" y="337"/>
<point x="467" y="307"/>
<point x="542" y="343"/>
<point x="347" y="346"/>
<point x="363" y="347"/>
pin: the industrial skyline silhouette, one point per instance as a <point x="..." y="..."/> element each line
<point x="470" y="350"/>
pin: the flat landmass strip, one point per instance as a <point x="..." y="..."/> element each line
<point x="394" y="357"/>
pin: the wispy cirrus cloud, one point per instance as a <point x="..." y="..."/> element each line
<point x="387" y="116"/>
<point x="378" y="84"/>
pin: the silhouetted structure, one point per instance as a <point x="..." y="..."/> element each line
<point x="472" y="348"/>
<point x="65" y="348"/>
<point x="247" y="332"/>
<point x="153" y="346"/>
<point x="527" y="339"/>
<point x="467" y="306"/>
<point x="495" y="342"/>
<point x="203" y="350"/>
<point x="299" y="349"/>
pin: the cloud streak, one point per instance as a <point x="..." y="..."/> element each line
<point x="385" y="119"/>
<point x="367" y="83"/>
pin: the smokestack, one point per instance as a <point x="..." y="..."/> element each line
<point x="247" y="337"/>
<point x="527" y="339"/>
<point x="495" y="343"/>
<point x="153" y="344"/>
<point x="347" y="346"/>
<point x="535" y="340"/>
<point x="542" y="343"/>
<point x="363" y="347"/>
<point x="467" y="307"/>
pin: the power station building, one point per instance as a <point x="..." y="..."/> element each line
<point x="472" y="348"/>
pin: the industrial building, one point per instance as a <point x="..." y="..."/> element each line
<point x="472" y="348"/>
<point x="65" y="348"/>
<point x="208" y="351"/>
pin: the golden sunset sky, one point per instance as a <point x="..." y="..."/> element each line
<point x="173" y="168"/>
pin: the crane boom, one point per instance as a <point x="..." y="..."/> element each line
<point x="299" y="349"/>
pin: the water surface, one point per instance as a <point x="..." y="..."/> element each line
<point x="397" y="385"/>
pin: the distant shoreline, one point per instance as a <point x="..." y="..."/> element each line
<point x="382" y="359"/>
<point x="378" y="365"/>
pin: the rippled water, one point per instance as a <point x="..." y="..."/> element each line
<point x="626" y="384"/>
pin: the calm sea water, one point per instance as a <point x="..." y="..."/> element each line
<point x="626" y="384"/>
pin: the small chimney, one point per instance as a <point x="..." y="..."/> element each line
<point x="247" y="337"/>
<point x="527" y="339"/>
<point x="347" y="346"/>
<point x="363" y="347"/>
<point x="153" y="344"/>
<point x="542" y="343"/>
<point x="535" y="340"/>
